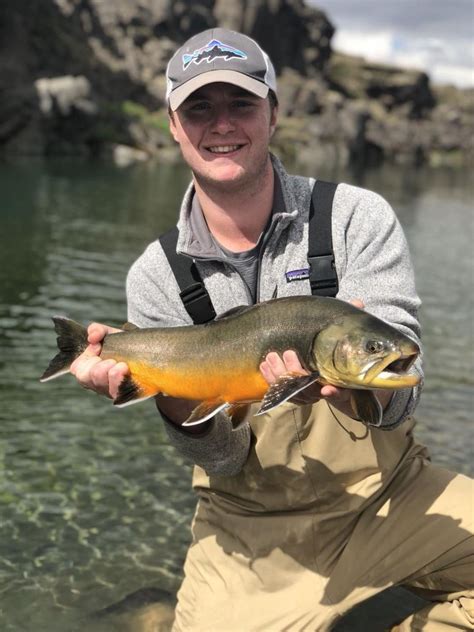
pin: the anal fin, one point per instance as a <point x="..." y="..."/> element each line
<point x="286" y="387"/>
<point x="367" y="407"/>
<point x="204" y="411"/>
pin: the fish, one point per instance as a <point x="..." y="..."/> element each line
<point x="217" y="363"/>
<point x="213" y="50"/>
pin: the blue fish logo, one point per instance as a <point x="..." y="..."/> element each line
<point x="213" y="50"/>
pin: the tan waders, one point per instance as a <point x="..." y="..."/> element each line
<point x="325" y="514"/>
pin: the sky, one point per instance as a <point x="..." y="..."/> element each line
<point x="436" y="36"/>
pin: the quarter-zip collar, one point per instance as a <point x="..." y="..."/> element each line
<point x="194" y="238"/>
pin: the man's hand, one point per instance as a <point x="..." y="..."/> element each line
<point x="102" y="376"/>
<point x="274" y="366"/>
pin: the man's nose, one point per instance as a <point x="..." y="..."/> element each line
<point x="223" y="121"/>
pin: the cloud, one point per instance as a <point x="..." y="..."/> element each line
<point x="457" y="75"/>
<point x="430" y="35"/>
<point x="375" y="46"/>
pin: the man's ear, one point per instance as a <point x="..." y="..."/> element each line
<point x="273" y="120"/>
<point x="172" y="124"/>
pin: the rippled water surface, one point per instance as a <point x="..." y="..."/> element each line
<point x="94" y="504"/>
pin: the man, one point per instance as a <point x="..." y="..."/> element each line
<point x="303" y="512"/>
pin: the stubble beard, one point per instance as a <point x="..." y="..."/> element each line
<point x="250" y="182"/>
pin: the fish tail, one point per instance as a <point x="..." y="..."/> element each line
<point x="71" y="341"/>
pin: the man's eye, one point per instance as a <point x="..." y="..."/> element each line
<point x="199" y="106"/>
<point x="242" y="103"/>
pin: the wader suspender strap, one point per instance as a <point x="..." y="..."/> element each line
<point x="323" y="276"/>
<point x="194" y="295"/>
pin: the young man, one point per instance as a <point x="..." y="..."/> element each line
<point x="303" y="512"/>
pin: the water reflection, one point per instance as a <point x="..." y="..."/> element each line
<point x="95" y="504"/>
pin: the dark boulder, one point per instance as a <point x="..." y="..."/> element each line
<point x="80" y="76"/>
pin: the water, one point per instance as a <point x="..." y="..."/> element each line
<point x="94" y="504"/>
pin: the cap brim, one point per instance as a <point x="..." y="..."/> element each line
<point x="181" y="93"/>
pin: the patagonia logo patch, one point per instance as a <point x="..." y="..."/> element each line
<point x="213" y="50"/>
<point x="297" y="275"/>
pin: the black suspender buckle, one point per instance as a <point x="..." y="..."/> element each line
<point x="197" y="303"/>
<point x="323" y="277"/>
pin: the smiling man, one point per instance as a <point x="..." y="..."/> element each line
<point x="304" y="511"/>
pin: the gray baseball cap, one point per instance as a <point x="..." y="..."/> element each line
<point x="218" y="55"/>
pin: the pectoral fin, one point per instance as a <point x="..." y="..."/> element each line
<point x="204" y="411"/>
<point x="367" y="407"/>
<point x="286" y="387"/>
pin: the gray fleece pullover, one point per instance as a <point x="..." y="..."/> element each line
<point x="372" y="263"/>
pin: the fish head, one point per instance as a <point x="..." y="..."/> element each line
<point x="365" y="353"/>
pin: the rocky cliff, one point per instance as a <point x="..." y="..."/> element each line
<point x="80" y="76"/>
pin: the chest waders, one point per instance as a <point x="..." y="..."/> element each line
<point x="268" y="530"/>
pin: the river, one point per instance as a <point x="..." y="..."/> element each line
<point x="94" y="504"/>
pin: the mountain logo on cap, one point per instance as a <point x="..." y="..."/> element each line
<point x="213" y="50"/>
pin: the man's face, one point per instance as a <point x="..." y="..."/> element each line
<point x="224" y="133"/>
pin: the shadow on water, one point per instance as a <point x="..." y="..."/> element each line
<point x="95" y="504"/>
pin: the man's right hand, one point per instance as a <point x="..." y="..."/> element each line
<point x="102" y="376"/>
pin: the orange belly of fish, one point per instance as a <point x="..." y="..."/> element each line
<point x="200" y="384"/>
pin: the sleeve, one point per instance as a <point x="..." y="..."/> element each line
<point x="376" y="268"/>
<point x="153" y="301"/>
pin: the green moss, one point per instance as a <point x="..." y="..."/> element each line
<point x="454" y="158"/>
<point x="157" y="119"/>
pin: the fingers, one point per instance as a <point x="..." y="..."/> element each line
<point x="275" y="365"/>
<point x="96" y="332"/>
<point x="358" y="303"/>
<point x="330" y="391"/>
<point x="272" y="367"/>
<point x="102" y="376"/>
<point x="292" y="362"/>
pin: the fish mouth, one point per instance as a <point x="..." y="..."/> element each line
<point x="392" y="371"/>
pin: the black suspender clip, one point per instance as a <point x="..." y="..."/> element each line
<point x="198" y="304"/>
<point x="322" y="276"/>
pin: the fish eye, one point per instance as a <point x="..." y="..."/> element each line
<point x="374" y="346"/>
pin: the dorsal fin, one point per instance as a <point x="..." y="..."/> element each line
<point x="129" y="327"/>
<point x="240" y="309"/>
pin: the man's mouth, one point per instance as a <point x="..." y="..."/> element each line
<point x="223" y="149"/>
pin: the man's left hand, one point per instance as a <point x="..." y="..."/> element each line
<point x="275" y="366"/>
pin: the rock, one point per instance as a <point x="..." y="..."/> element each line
<point x="146" y="610"/>
<point x="63" y="94"/>
<point x="299" y="36"/>
<point x="124" y="155"/>
<point x="79" y="75"/>
<point x="17" y="106"/>
<point x="299" y="95"/>
<point x="391" y="86"/>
